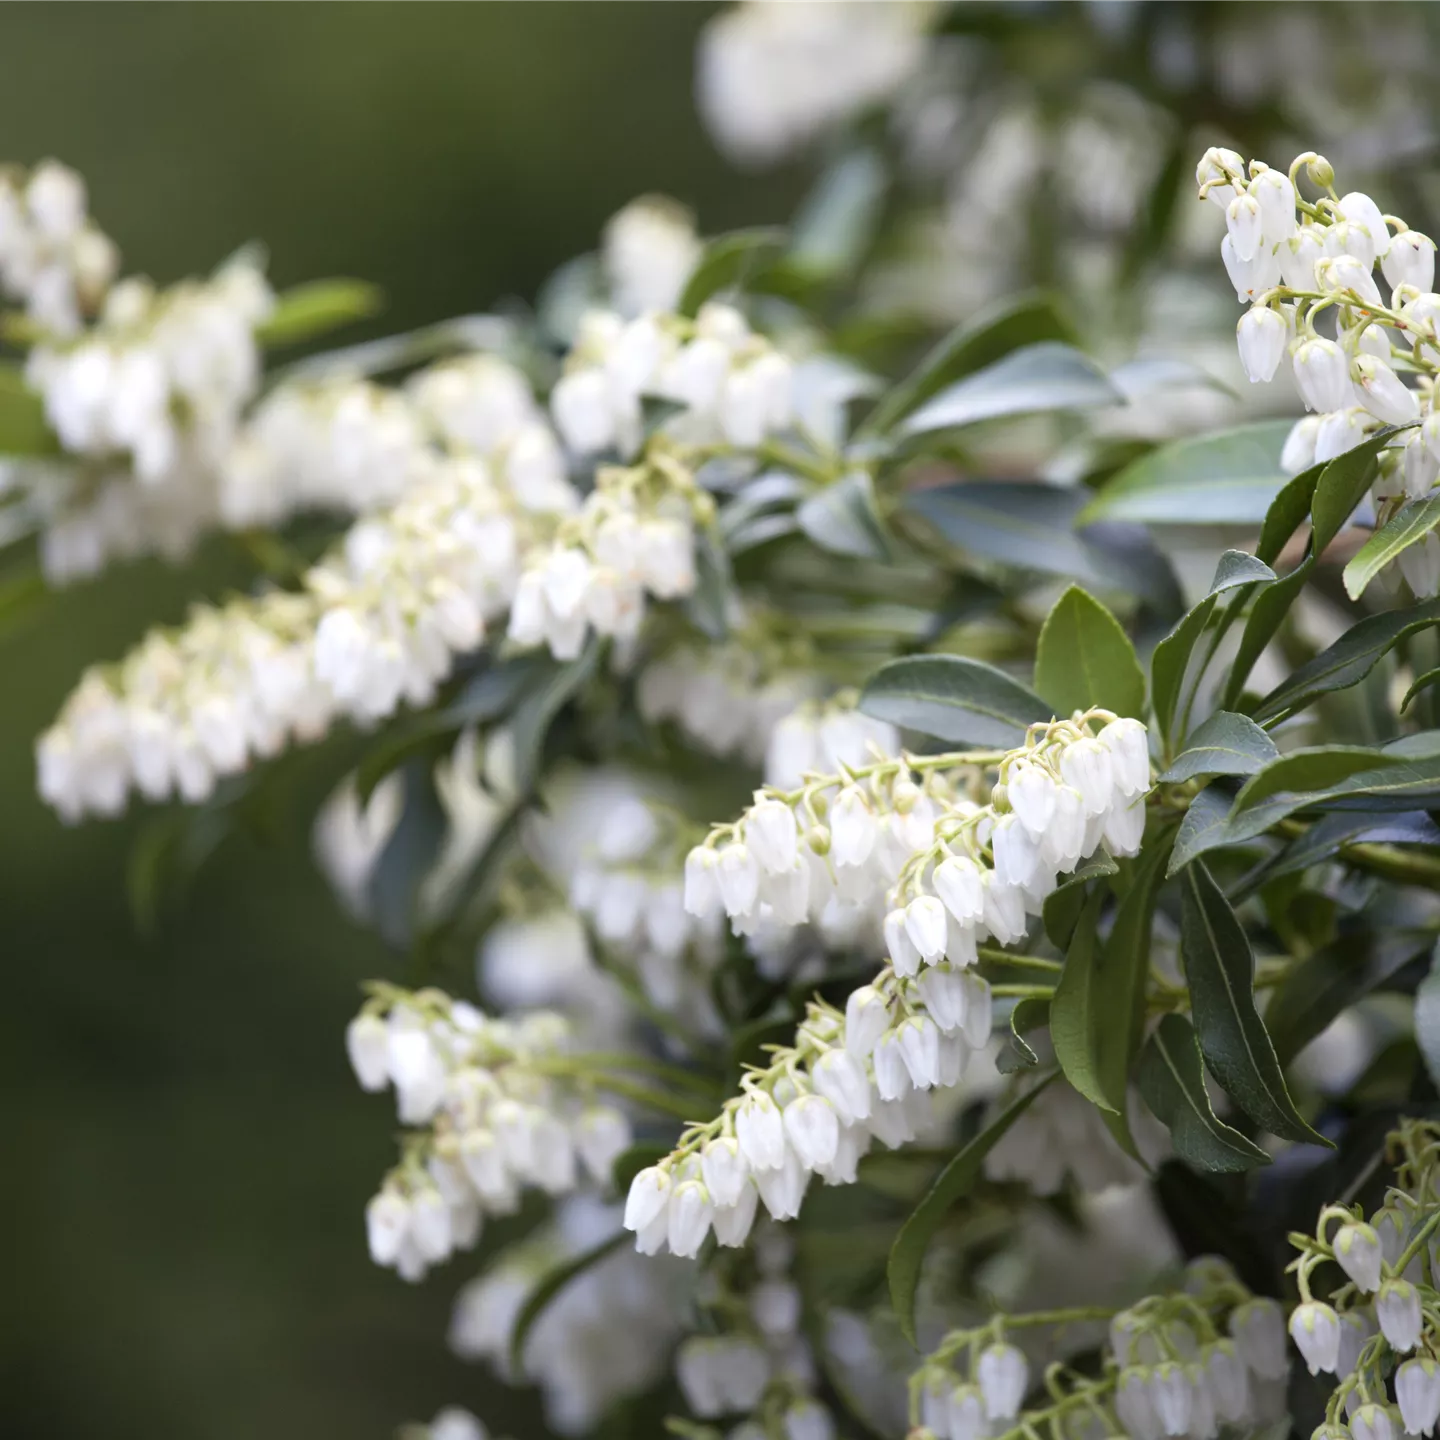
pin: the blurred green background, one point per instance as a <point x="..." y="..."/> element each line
<point x="187" y="1154"/>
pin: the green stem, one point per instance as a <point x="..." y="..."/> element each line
<point x="997" y="956"/>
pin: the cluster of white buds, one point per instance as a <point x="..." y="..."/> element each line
<point x="187" y="707"/>
<point x="607" y="1334"/>
<point x="733" y="386"/>
<point x="501" y="1108"/>
<point x="726" y="698"/>
<point x="950" y="871"/>
<point x="1186" y="1364"/>
<point x="773" y="76"/>
<point x="1382" y="1324"/>
<point x="634" y="536"/>
<point x="1299" y="262"/>
<point x="758" y="1365"/>
<point x="648" y="252"/>
<point x="163" y="376"/>
<point x="53" y="258"/>
<point x="340" y="444"/>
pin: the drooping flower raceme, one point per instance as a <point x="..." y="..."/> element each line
<point x="953" y="874"/>
<point x="499" y="1110"/>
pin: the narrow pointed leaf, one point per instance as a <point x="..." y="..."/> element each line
<point x="1413" y="522"/>
<point x="1029" y="1014"/>
<point x="953" y="698"/>
<point x="728" y="262"/>
<point x="843" y="520"/>
<point x="315" y="308"/>
<point x="1203" y="827"/>
<point x="1341" y="486"/>
<point x="1172" y="1084"/>
<point x="907" y="1254"/>
<point x="1065" y="902"/>
<point x="1084" y="658"/>
<point x="1225" y="744"/>
<point x="1220" y="970"/>
<point x="1318" y="768"/>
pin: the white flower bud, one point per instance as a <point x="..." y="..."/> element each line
<point x="1251" y="278"/>
<point x="942" y="991"/>
<point x="1262" y="336"/>
<point x="1204" y="1423"/>
<point x="367" y="1042"/>
<point x="1381" y="391"/>
<point x="732" y="1223"/>
<point x="852" y="828"/>
<point x="925" y="924"/>
<point x="582" y="409"/>
<point x="1214" y="170"/>
<point x="1063" y="843"/>
<point x="1419" y="467"/>
<point x="1372" y="1422"/>
<point x="1357" y="1249"/>
<point x="901" y="948"/>
<point x="1031" y="790"/>
<point x="867" y="1017"/>
<point x="965" y="1414"/>
<point x="387" y="1223"/>
<point x="1340" y="431"/>
<point x="1242" y="220"/>
<point x="1360" y="209"/>
<point x="1127" y="742"/>
<point x="772" y="835"/>
<point x="1017" y="853"/>
<point x="812" y="1129"/>
<point x="775" y="1307"/>
<point x="1315" y="1329"/>
<point x="702" y="882"/>
<point x="484" y="1163"/>
<point x="920" y="1050"/>
<point x="1298" y="452"/>
<point x="1275" y="196"/>
<point x="1124" y="827"/>
<point x="1004" y="911"/>
<point x="1344" y="274"/>
<point x="841" y="1079"/>
<point x="1322" y="376"/>
<point x="1004" y="1377"/>
<point x="1410" y="261"/>
<point x="978" y="1010"/>
<point x="724" y="1170"/>
<point x="689" y="1218"/>
<point x="1417" y="1390"/>
<point x="958" y="883"/>
<point x="1299" y="255"/>
<point x="1089" y="767"/>
<point x="430" y="1224"/>
<point x="1171" y="1397"/>
<point x="761" y="1132"/>
<point x="782" y="1190"/>
<point x="1397" y="1308"/>
<point x="1133" y="1407"/>
<point x="1228" y="1381"/>
<point x="892" y="1075"/>
<point x="648" y="1198"/>
<point x="739" y="879"/>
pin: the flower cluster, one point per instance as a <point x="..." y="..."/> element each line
<point x="1380" y="1326"/>
<point x="648" y="252"/>
<point x="730" y="384"/>
<point x="1301" y="264"/>
<point x="1180" y="1364"/>
<point x="501" y="1110"/>
<point x="754" y="1362"/>
<point x="607" y="1334"/>
<point x="53" y="258"/>
<point x="163" y="376"/>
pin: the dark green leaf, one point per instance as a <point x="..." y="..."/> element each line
<point x="1271" y="607"/>
<point x="1289" y="512"/>
<point x="953" y="698"/>
<point x="728" y="262"/>
<point x="1220" y="970"/>
<point x="1203" y="827"/>
<point x="23" y="427"/>
<point x="1048" y="376"/>
<point x="1172" y="1085"/>
<point x="836" y="225"/>
<point x="1084" y="658"/>
<point x="1086" y="1018"/>
<point x="843" y="519"/>
<point x="1230" y="478"/>
<point x="532" y="717"/>
<point x="1065" y="902"/>
<point x="1349" y="660"/>
<point x="1024" y="320"/>
<point x="1421" y="683"/>
<point x="1427" y="1019"/>
<point x="1411" y="523"/>
<point x="408" y="856"/>
<point x="548" y="1288"/>
<point x="1318" y="768"/>
<point x="1225" y="744"/>
<point x="315" y="308"/>
<point x="1325" y="838"/>
<point x="907" y="1254"/>
<point x="1331" y="981"/>
<point x="1341" y="486"/>
<point x="1029" y="1014"/>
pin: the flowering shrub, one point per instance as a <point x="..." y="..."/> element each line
<point x="1103" y="902"/>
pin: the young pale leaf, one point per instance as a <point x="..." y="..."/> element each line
<point x="1317" y="768"/>
<point x="953" y="698"/>
<point x="728" y="262"/>
<point x="1231" y="478"/>
<point x="1047" y="376"/>
<point x="1084" y="658"/>
<point x="1330" y="981"/>
<point x="314" y="309"/>
<point x="1224" y="744"/>
<point x="1220" y="970"/>
<point x="843" y="520"/>
<point x="550" y="1285"/>
<point x="1172" y="1085"/>
<point x="1427" y="1019"/>
<point x="1414" y="522"/>
<point x="908" y="1252"/>
<point x="1029" y="1014"/>
<point x="1023" y="320"/>
<point x="1349" y="660"/>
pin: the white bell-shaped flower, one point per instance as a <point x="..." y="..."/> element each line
<point x="1397" y="1309"/>
<point x="761" y="1132"/>
<point x="808" y="1420"/>
<point x="841" y="1079"/>
<point x="648" y="1197"/>
<point x="602" y="1135"/>
<point x="1251" y="278"/>
<point x="1089" y="767"/>
<point x="1315" y="1329"/>
<point x="1372" y="1422"/>
<point x="1262" y="336"/>
<point x="772" y="835"/>
<point x="1345" y="274"/>
<point x="942" y="991"/>
<point x="1031" y="789"/>
<point x="1003" y="1376"/>
<point x="1381" y="391"/>
<point x="920" y="1050"/>
<point x="1360" y="209"/>
<point x="979" y="1009"/>
<point x="1355" y="1329"/>
<point x="852" y="828"/>
<point x="1004" y="911"/>
<point x="387" y="1223"/>
<point x="702" y="882"/>
<point x="1419" y="467"/>
<point x="1420" y="565"/>
<point x="1171" y="1397"/>
<point x="892" y="1075"/>
<point x="1228" y="1381"/>
<point x="739" y="879"/>
<point x="1133" y="1406"/>
<point x="1417" y="1391"/>
<point x="1322" y="375"/>
<point x="1410" y="261"/>
<point x="1215" y="170"/>
<point x="1275" y="195"/>
<point x="904" y="955"/>
<point x="959" y="884"/>
<point x="689" y="1218"/>
<point x="1017" y="853"/>
<point x="782" y="1190"/>
<point x="1299" y="255"/>
<point x="1357" y="1249"/>
<point x="724" y="1170"/>
<point x="1242" y="220"/>
<point x="965" y="1414"/>
<point x="1298" y="452"/>
<point x="1340" y="431"/>
<point x="732" y="1223"/>
<point x="813" y="1130"/>
<point x="867" y="1018"/>
<point x="925" y="924"/>
<point x="367" y="1042"/>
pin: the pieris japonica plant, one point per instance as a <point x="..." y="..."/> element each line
<point x="901" y="957"/>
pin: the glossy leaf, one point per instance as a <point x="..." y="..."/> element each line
<point x="1048" y="376"/>
<point x="1203" y="827"/>
<point x="953" y="698"/>
<point x="1325" y="838"/>
<point x="1065" y="902"/>
<point x="1349" y="660"/>
<point x="1023" y="320"/>
<point x="1080" y="1011"/>
<point x="549" y="1286"/>
<point x="1341" y="487"/>
<point x="407" y="857"/>
<point x="1268" y="614"/>
<point x="1420" y="684"/>
<point x="1084" y="658"/>
<point x="307" y="311"/>
<point x="1172" y="1084"/>
<point x="1220" y="971"/>
<point x="1230" y="478"/>
<point x="1411" y="523"/>
<point x="843" y="520"/>
<point x="1316" y="768"/>
<point x="907" y="1254"/>
<point x="1224" y="744"/>
<point x="728" y="262"/>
